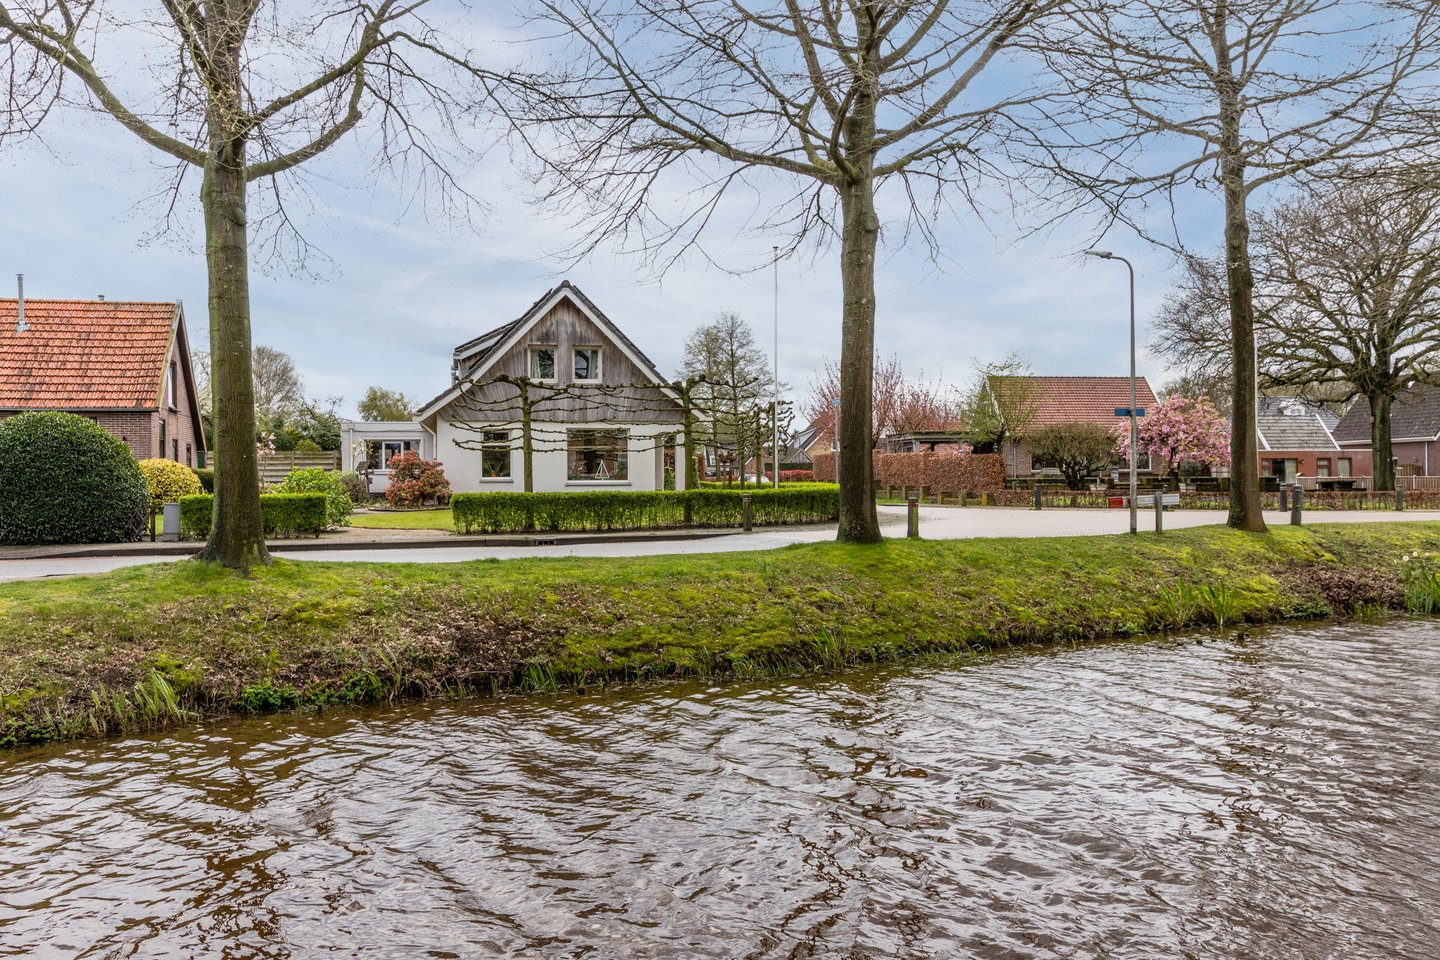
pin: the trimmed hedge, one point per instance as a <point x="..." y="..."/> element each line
<point x="207" y="479"/>
<point x="504" y="512"/>
<point x="338" y="504"/>
<point x="65" y="480"/>
<point x="281" y="514"/>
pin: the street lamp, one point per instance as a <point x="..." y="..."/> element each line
<point x="1134" y="426"/>
<point x="775" y="403"/>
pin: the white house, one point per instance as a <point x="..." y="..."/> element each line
<point x="563" y="382"/>
<point x="367" y="446"/>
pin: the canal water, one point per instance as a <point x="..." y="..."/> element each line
<point x="1276" y="795"/>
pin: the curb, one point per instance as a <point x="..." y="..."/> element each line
<point x="185" y="549"/>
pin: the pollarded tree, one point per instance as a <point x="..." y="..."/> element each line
<point x="835" y="100"/>
<point x="1235" y="97"/>
<point x="242" y="92"/>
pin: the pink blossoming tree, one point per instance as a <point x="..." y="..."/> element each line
<point x="1180" y="430"/>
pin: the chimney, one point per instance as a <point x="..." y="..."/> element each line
<point x="20" y="325"/>
<point x="100" y="297"/>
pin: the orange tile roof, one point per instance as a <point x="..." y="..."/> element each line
<point x="84" y="354"/>
<point x="1083" y="399"/>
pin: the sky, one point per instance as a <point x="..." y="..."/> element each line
<point x="397" y="290"/>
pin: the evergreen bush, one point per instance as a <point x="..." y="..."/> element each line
<point x="65" y="480"/>
<point x="641" y="510"/>
<point x="168" y="481"/>
<point x="281" y="514"/>
<point x="207" y="480"/>
<point x="319" y="480"/>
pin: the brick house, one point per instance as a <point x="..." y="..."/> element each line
<point x="124" y="365"/>
<point x="1051" y="401"/>
<point x="1414" y="431"/>
<point x="1296" y="439"/>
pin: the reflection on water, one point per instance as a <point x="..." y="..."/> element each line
<point x="1276" y="797"/>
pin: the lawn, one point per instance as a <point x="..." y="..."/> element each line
<point x="147" y="645"/>
<point x="404" y="520"/>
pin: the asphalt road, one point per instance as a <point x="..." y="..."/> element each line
<point x="936" y="523"/>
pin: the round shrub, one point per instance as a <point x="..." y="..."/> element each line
<point x="206" y="478"/>
<point x="319" y="480"/>
<point x="67" y="481"/>
<point x="169" y="481"/>
<point x="415" y="480"/>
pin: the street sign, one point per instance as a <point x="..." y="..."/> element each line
<point x="1125" y="411"/>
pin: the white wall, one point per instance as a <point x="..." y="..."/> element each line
<point x="462" y="466"/>
<point x="353" y="434"/>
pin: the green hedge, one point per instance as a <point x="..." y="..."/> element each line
<point x="283" y="514"/>
<point x="207" y="479"/>
<point x="641" y="510"/>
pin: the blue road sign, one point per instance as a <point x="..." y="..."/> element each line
<point x="1125" y="411"/>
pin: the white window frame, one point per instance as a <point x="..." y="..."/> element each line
<point x="492" y="442"/>
<point x="619" y="477"/>
<point x="598" y="370"/>
<point x="531" y="357"/>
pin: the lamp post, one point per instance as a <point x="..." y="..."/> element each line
<point x="1134" y="425"/>
<point x="775" y="404"/>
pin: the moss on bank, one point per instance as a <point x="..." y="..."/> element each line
<point x="147" y="646"/>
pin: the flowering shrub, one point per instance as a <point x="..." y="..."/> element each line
<point x="320" y="480"/>
<point x="415" y="480"/>
<point x="265" y="447"/>
<point x="168" y="481"/>
<point x="1180" y="430"/>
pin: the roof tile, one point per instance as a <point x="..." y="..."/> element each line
<point x="83" y="354"/>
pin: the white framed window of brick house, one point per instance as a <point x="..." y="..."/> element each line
<point x="542" y="361"/>
<point x="587" y="364"/>
<point x="170" y="381"/>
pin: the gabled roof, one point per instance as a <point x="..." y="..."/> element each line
<point x="1292" y="423"/>
<point x="1415" y="415"/>
<point x="473" y="356"/>
<point x="85" y="354"/>
<point x="1059" y="400"/>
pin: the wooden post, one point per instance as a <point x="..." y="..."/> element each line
<point x="1159" y="495"/>
<point x="912" y="513"/>
<point x="745" y="515"/>
<point x="1295" y="507"/>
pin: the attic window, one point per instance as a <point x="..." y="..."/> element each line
<point x="587" y="363"/>
<point x="542" y="363"/>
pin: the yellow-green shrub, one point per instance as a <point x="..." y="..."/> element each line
<point x="168" y="481"/>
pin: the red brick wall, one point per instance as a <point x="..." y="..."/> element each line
<point x="179" y="425"/>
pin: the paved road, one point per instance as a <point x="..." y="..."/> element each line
<point x="936" y="523"/>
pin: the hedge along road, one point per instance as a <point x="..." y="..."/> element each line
<point x="936" y="523"/>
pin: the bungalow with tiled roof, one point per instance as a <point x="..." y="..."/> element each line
<point x="125" y="365"/>
<point x="1050" y="401"/>
<point x="1295" y="439"/>
<point x="1414" y="431"/>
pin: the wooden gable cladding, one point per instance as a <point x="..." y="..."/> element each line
<point x="620" y="396"/>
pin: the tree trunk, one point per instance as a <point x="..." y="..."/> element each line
<point x="237" y="537"/>
<point x="1381" y="455"/>
<point x="527" y="438"/>
<point x="1244" y="442"/>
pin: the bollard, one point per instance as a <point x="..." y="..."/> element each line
<point x="1284" y="496"/>
<point x="913" y="516"/>
<point x="745" y="512"/>
<point x="1399" y="496"/>
<point x="1160" y="509"/>
<point x="964" y="495"/>
<point x="1037" y="496"/>
<point x="1295" y="507"/>
<point x="172" y="522"/>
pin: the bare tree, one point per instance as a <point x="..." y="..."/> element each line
<point x="832" y="99"/>
<point x="278" y="387"/>
<point x="1347" y="297"/>
<point x="243" y="92"/>
<point x="733" y="378"/>
<point x="1263" y="92"/>
<point x="900" y="404"/>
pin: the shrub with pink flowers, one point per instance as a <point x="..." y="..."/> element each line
<point x="415" y="481"/>
<point x="1180" y="430"/>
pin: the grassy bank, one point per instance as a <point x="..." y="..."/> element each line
<point x="148" y="646"/>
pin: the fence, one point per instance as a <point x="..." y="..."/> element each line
<point x="277" y="466"/>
